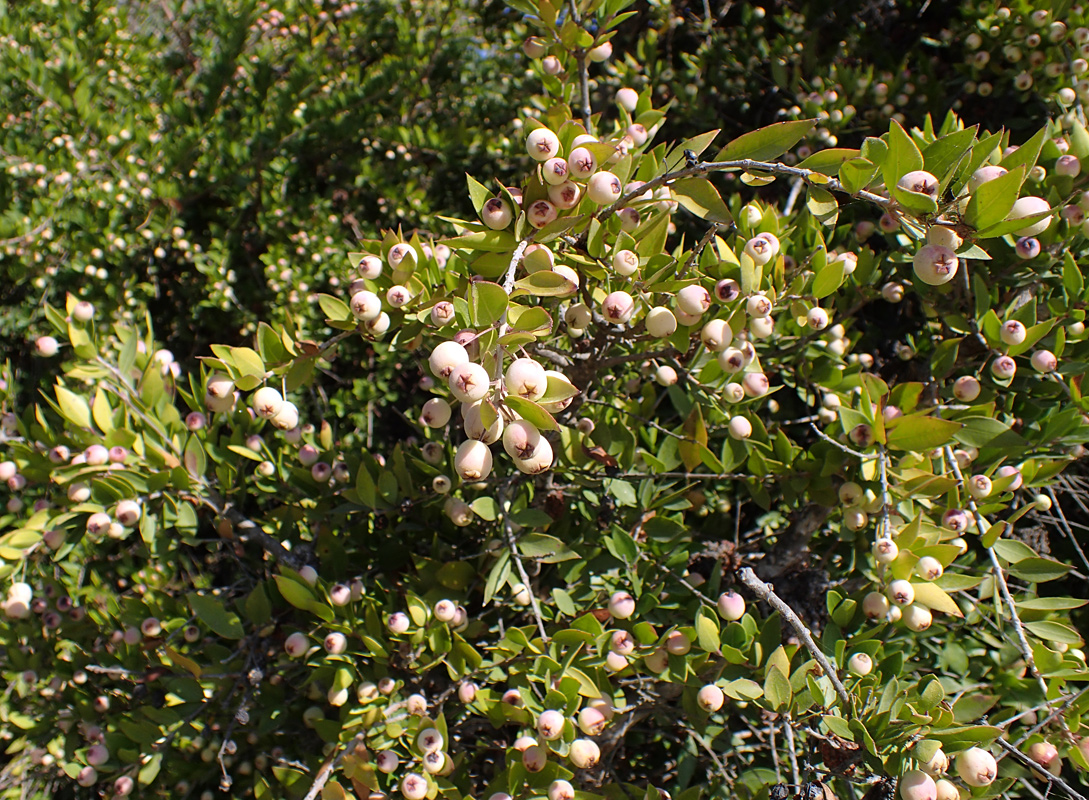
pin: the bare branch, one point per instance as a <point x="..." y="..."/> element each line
<point x="508" y="531"/>
<point x="1053" y="780"/>
<point x="765" y="593"/>
<point x="330" y="766"/>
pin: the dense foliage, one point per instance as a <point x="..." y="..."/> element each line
<point x="627" y="404"/>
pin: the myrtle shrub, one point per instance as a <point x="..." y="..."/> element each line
<point x="704" y="473"/>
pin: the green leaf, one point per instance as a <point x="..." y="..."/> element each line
<point x="1027" y="154"/>
<point x="1050" y="603"/>
<point x="829" y="162"/>
<point x="903" y="156"/>
<point x="74" y="407"/>
<point x="829" y="278"/>
<point x="934" y="597"/>
<point x="302" y="597"/>
<point x="532" y="412"/>
<point x="707" y="630"/>
<point x="478" y="192"/>
<point x="920" y="433"/>
<point x="743" y="689"/>
<point x="1051" y="631"/>
<point x="487" y="303"/>
<point x="777" y="689"/>
<point x="988" y="432"/>
<point x="1073" y="281"/>
<point x="486" y="508"/>
<point x="942" y="156"/>
<point x="1039" y="570"/>
<point x="697" y="195"/>
<point x="493" y="241"/>
<point x="991" y="202"/>
<point x="334" y="308"/>
<point x="213" y="613"/>
<point x="767" y="143"/>
<point x="822" y="204"/>
<point x="543" y="284"/>
<point x="856" y="174"/>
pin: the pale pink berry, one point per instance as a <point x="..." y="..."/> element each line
<point x="1003" y="368"/>
<point x="542" y="144"/>
<point x="520" y="439"/>
<point x="541" y="213"/>
<point x="551" y="65"/>
<point x="1068" y="166"/>
<point x="917" y="785"/>
<point x="469" y="382"/>
<point x="335" y="643"/>
<point x="535" y="758"/>
<point x="875" y="605"/>
<point x="1029" y="206"/>
<point x="977" y="767"/>
<point x="600" y="53"/>
<point x="554" y="171"/>
<point x="398" y="622"/>
<point x="1013" y="332"/>
<point x="445" y="357"/>
<point x="694" y="300"/>
<point x="565" y="196"/>
<point x="955" y="520"/>
<point x="916" y="617"/>
<point x="984" y="174"/>
<point x="1044" y="361"/>
<point x="534" y="47"/>
<point x="716" y="335"/>
<point x="885" y="551"/>
<point x="755" y="384"/>
<point x="414" y="786"/>
<point x="550" y="724"/>
<point x="1027" y="248"/>
<point x="526" y="378"/>
<point x="591" y="721"/>
<point x="760" y="249"/>
<point x="496" y="214"/>
<point x="560" y="789"/>
<point x="296" y="644"/>
<point x="901" y="592"/>
<point x="727" y="290"/>
<point x="540" y="461"/>
<point x="621" y="605"/>
<point x="935" y="264"/>
<point x="739" y="428"/>
<point x="1044" y="753"/>
<point x="1009" y="471"/>
<point x="966" y="388"/>
<point x="370" y="267"/>
<point x="436" y="413"/>
<point x="860" y="664"/>
<point x="473" y="461"/>
<point x="920" y="182"/>
<point x="581" y="163"/>
<point x="127" y="512"/>
<point x="731" y="606"/>
<point x="604" y="188"/>
<point x="660" y="322"/>
<point x="710" y="698"/>
<point x="584" y="753"/>
<point x="676" y="643"/>
<point x="46" y="346"/>
<point x="638" y="134"/>
<point x="928" y="568"/>
<point x="400" y="253"/>
<point x="625" y="262"/>
<point x="618" y="307"/>
<point x="387" y="761"/>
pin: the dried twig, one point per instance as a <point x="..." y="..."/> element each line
<point x="1000" y="577"/>
<point x="1053" y="780"/>
<point x="330" y="766"/>
<point x="765" y="593"/>
<point x="508" y="531"/>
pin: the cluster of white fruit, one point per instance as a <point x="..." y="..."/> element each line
<point x="486" y="418"/>
<point x="936" y="262"/>
<point x="975" y="766"/>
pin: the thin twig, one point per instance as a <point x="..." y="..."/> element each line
<point x="1053" y="780"/>
<point x="330" y="766"/>
<point x="747" y="164"/>
<point x="706" y="240"/>
<point x="1000" y="576"/>
<point x="765" y="593"/>
<point x="843" y="447"/>
<point x="508" y="531"/>
<point x="788" y="729"/>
